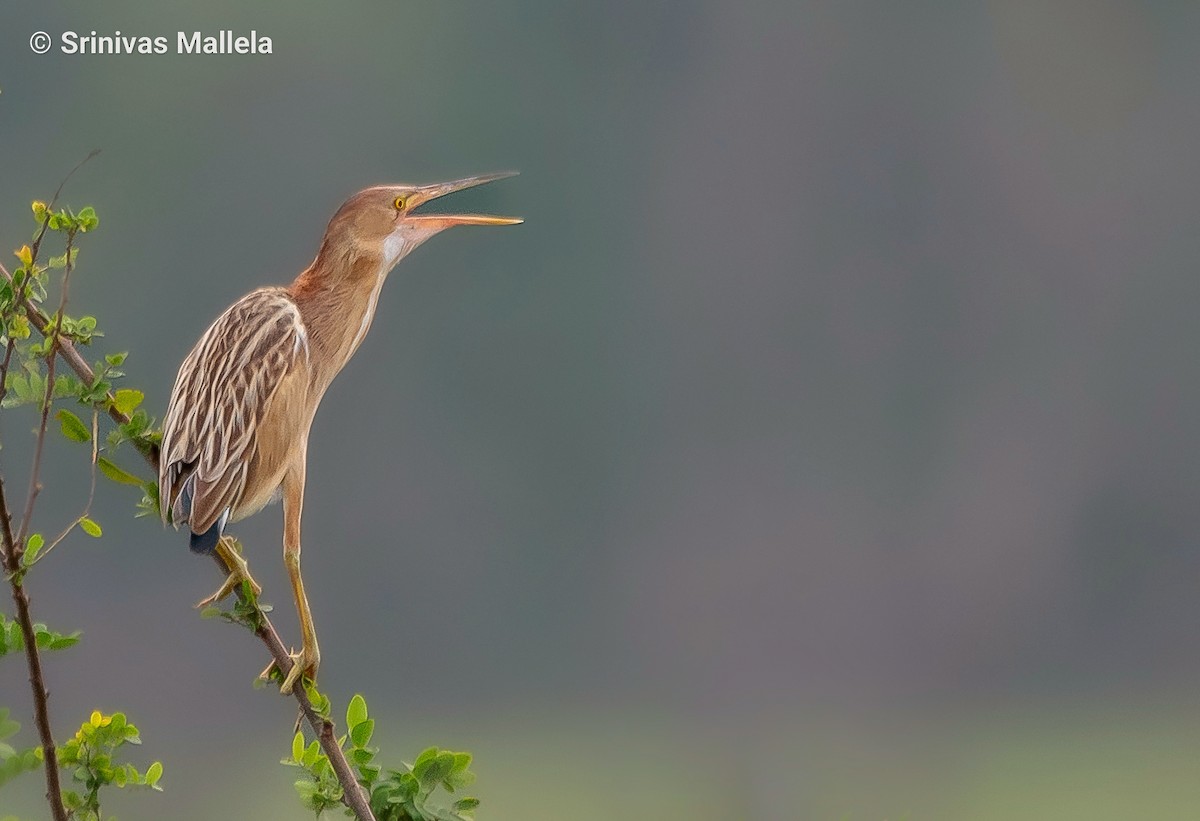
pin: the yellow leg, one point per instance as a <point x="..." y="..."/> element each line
<point x="308" y="659"/>
<point x="239" y="571"/>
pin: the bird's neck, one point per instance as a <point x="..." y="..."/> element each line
<point x="337" y="296"/>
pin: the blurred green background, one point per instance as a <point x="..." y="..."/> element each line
<point x="822" y="447"/>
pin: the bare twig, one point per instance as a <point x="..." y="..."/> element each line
<point x="35" y="486"/>
<point x="353" y="793"/>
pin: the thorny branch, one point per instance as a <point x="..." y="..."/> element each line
<point x="353" y="794"/>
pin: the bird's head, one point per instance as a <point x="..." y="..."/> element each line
<point x="382" y="220"/>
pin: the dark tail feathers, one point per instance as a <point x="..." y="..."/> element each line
<point x="206" y="542"/>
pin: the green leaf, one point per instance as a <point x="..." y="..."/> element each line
<point x="18" y="327"/>
<point x="35" y="544"/>
<point x="117" y="474"/>
<point x="65" y="385"/>
<point x="72" y="426"/>
<point x="442" y="766"/>
<point x="90" y="527"/>
<point x="311" y="754"/>
<point x="466" y="804"/>
<point x="360" y="734"/>
<point x="432" y="770"/>
<point x="428" y="754"/>
<point x="88" y="219"/>
<point x="126" y="400"/>
<point x="154" y="772"/>
<point x="62" y="642"/>
<point x="116" y="359"/>
<point x="408" y="785"/>
<point x="298" y="747"/>
<point x="356" y="711"/>
<point x="8" y="727"/>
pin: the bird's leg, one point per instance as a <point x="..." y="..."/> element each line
<point x="239" y="571"/>
<point x="308" y="659"/>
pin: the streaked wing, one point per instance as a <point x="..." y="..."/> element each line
<point x="218" y="400"/>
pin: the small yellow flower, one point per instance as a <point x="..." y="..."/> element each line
<point x="25" y="254"/>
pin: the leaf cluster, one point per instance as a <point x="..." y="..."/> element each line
<point x="12" y="640"/>
<point x="29" y="378"/>
<point x="13" y="762"/>
<point x="408" y="794"/>
<point x="90" y="758"/>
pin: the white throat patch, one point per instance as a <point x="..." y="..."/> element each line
<point x="395" y="246"/>
<point x="393" y="249"/>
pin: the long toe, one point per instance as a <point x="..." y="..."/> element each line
<point x="239" y="569"/>
<point x="304" y="663"/>
<point x="224" y="590"/>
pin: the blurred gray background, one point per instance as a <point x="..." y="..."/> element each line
<point x="821" y="447"/>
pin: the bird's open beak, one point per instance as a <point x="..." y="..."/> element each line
<point x="431" y="192"/>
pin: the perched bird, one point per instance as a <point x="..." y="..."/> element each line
<point x="236" y="429"/>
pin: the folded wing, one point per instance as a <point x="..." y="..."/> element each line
<point x="220" y="394"/>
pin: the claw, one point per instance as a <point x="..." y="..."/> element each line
<point x="304" y="663"/>
<point x="239" y="571"/>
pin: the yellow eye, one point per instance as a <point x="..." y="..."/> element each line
<point x="399" y="203"/>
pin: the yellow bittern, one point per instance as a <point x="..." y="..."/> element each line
<point x="236" y="430"/>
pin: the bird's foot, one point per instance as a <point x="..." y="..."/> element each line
<point x="304" y="663"/>
<point x="239" y="571"/>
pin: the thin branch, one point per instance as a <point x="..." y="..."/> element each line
<point x="6" y="535"/>
<point x="87" y="508"/>
<point x="35" y="486"/>
<point x="41" y="711"/>
<point x="66" y="531"/>
<point x="8" y="352"/>
<point x="37" y="241"/>
<point x="353" y="793"/>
